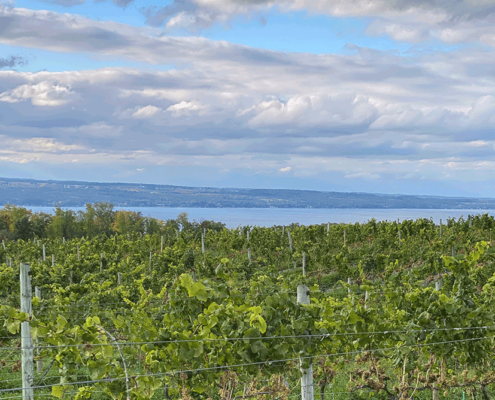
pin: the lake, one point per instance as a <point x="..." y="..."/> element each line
<point x="232" y="217"/>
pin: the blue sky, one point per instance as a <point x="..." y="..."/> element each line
<point x="363" y="95"/>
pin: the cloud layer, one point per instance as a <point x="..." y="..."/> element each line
<point x="366" y="116"/>
<point x="452" y="21"/>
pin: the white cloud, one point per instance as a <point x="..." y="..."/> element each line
<point x="146" y="112"/>
<point x="285" y="169"/>
<point x="36" y="145"/>
<point x="187" y="108"/>
<point x="41" y="94"/>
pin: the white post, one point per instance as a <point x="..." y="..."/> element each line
<point x="39" y="363"/>
<point x="26" y="339"/>
<point x="151" y="257"/>
<point x="328" y="228"/>
<point x="3" y="244"/>
<point x="248" y="235"/>
<point x="53" y="260"/>
<point x="44" y="252"/>
<point x="63" y="240"/>
<point x="440" y="227"/>
<point x="438" y="284"/>
<point x="307" y="378"/>
<point x="161" y="246"/>
<point x="11" y="263"/>
<point x="78" y="253"/>
<point x="119" y="278"/>
<point x="203" y="242"/>
<point x="290" y="240"/>
<point x="349" y="282"/>
<point x="304" y="264"/>
<point x="101" y="263"/>
<point x="249" y="254"/>
<point x="400" y="239"/>
<point x="283" y="232"/>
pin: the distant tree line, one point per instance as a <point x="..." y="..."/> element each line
<point x="98" y="219"/>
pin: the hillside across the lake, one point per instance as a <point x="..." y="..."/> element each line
<point x="76" y="194"/>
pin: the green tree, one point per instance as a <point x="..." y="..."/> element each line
<point x="104" y="217"/>
<point x="40" y="222"/>
<point x="23" y="228"/>
<point x="152" y="226"/>
<point x="127" y="222"/>
<point x="64" y="224"/>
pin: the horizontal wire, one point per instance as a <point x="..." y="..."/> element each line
<point x="108" y="380"/>
<point x="323" y="336"/>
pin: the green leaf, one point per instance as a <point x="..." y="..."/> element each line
<point x="58" y="391"/>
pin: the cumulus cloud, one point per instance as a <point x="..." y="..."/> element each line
<point x="187" y="108"/>
<point x="41" y="94"/>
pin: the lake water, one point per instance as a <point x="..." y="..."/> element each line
<point x="232" y="217"/>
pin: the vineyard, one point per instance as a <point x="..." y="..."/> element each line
<point x="383" y="310"/>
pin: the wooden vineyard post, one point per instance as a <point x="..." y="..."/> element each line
<point x="438" y="286"/>
<point x="304" y="264"/>
<point x="63" y="240"/>
<point x="119" y="278"/>
<point x="203" y="242"/>
<point x="161" y="245"/>
<point x="26" y="339"/>
<point x="328" y="228"/>
<point x="440" y="227"/>
<point x="53" y="260"/>
<point x="78" y="253"/>
<point x="349" y="282"/>
<point x="400" y="239"/>
<point x="249" y="254"/>
<point x="101" y="263"/>
<point x="39" y="363"/>
<point x="307" y="378"/>
<point x="44" y="252"/>
<point x="3" y="244"/>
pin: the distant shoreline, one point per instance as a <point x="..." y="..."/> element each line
<point x="38" y="193"/>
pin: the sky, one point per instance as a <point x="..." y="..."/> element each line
<point x="382" y="96"/>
